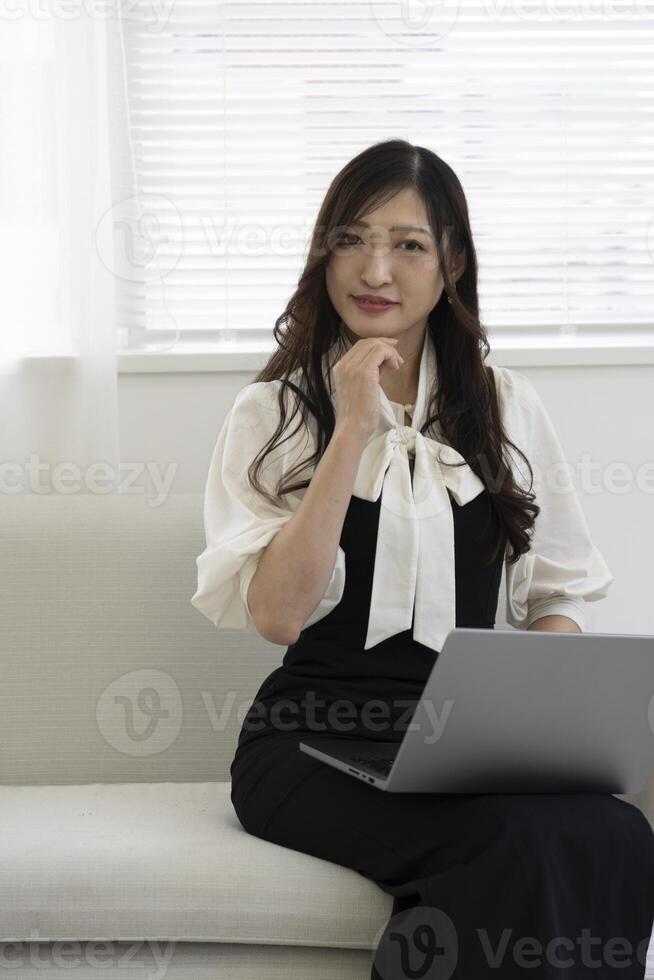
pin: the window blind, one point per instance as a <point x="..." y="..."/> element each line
<point x="231" y="119"/>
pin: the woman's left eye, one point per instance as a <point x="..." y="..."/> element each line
<point x="414" y="242"/>
<point x="345" y="240"/>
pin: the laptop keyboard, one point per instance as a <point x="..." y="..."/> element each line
<point x="381" y="764"/>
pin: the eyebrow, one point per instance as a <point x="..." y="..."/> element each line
<point x="364" y="224"/>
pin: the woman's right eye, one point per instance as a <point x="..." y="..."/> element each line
<point x="344" y="240"/>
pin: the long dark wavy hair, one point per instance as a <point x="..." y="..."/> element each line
<point x="464" y="402"/>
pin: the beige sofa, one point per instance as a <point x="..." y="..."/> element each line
<point x="120" y="853"/>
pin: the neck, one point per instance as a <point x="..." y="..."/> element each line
<point x="401" y="385"/>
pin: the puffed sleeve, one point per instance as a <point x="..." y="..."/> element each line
<point x="563" y="570"/>
<point x="238" y="521"/>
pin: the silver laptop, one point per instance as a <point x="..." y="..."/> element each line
<point x="518" y="711"/>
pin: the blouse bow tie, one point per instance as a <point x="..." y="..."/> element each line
<point x="414" y="559"/>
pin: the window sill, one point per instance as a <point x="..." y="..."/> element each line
<point x="249" y="362"/>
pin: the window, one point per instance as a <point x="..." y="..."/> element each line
<point x="236" y="116"/>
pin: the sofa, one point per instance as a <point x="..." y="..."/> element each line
<point x="120" y="853"/>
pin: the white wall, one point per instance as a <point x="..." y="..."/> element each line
<point x="604" y="411"/>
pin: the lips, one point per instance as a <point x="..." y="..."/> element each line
<point x="374" y="300"/>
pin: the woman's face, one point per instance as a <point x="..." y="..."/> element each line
<point x="400" y="265"/>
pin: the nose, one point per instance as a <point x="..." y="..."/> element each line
<point x="377" y="266"/>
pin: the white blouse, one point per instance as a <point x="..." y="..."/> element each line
<point x="414" y="559"/>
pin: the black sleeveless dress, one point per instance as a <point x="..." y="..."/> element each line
<point x="328" y="661"/>
<point x="542" y="865"/>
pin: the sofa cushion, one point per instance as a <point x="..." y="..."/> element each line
<point x="133" y="861"/>
<point x="167" y="960"/>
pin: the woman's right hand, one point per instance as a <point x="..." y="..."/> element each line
<point x="356" y="381"/>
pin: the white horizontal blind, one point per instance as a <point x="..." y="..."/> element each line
<point x="238" y="115"/>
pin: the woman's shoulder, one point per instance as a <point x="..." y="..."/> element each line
<point x="267" y="394"/>
<point x="263" y="402"/>
<point x="257" y="395"/>
<point x="256" y="417"/>
<point x="514" y="390"/>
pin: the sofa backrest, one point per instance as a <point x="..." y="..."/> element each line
<point x="109" y="674"/>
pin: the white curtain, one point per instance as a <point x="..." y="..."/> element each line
<point x="58" y="392"/>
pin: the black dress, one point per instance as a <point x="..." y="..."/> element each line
<point x="471" y="869"/>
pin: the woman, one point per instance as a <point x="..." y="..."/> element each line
<point x="359" y="537"/>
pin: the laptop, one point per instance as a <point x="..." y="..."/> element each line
<point x="518" y="711"/>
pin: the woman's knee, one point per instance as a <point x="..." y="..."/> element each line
<point x="246" y="815"/>
<point x="591" y="817"/>
<point x="635" y="827"/>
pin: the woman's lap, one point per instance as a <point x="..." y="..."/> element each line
<point x="536" y="864"/>
<point x="283" y="794"/>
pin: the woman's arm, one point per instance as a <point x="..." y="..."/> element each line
<point x="294" y="570"/>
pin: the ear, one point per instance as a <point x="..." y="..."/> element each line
<point x="459" y="266"/>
